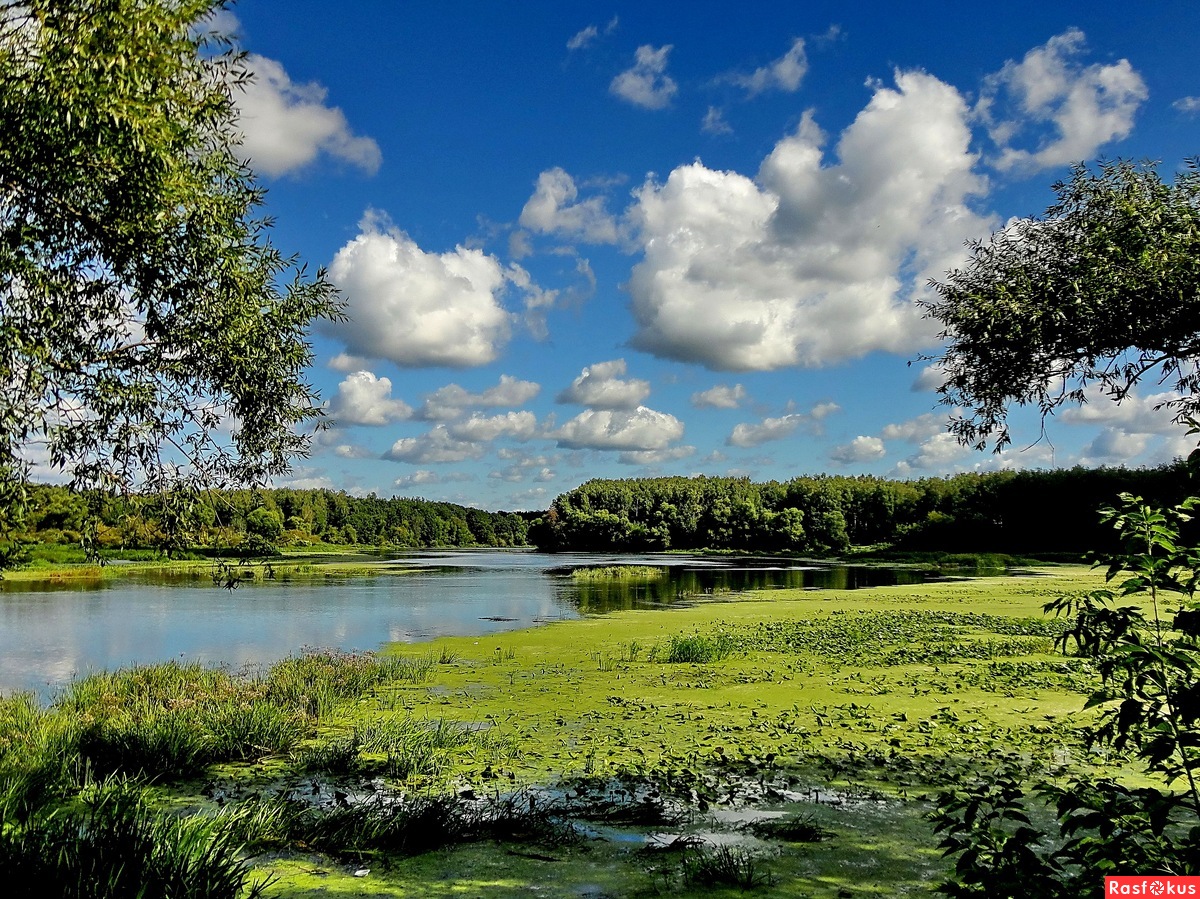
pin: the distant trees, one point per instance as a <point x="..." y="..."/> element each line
<point x="1028" y="511"/>
<point x="224" y="520"/>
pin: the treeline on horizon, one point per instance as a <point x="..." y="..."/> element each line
<point x="256" y="520"/>
<point x="1016" y="512"/>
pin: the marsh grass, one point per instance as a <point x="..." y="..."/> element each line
<point x="176" y="719"/>
<point x="705" y="867"/>
<point x="38" y="761"/>
<point x="619" y="573"/>
<point x="316" y="682"/>
<point x="113" y="844"/>
<point x="698" y="648"/>
<point x="791" y="829"/>
<point x="401" y="748"/>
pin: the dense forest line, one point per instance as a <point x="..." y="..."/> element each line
<point x="1021" y="512"/>
<point x="1027" y="512"/>
<point x="254" y="520"/>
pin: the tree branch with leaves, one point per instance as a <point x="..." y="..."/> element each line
<point x="1096" y="296"/>
<point x="151" y="336"/>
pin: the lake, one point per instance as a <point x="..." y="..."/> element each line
<point x="50" y="633"/>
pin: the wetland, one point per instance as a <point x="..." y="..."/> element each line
<point x="788" y="739"/>
<point x="83" y="619"/>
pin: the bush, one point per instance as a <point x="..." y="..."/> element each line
<point x="1149" y="703"/>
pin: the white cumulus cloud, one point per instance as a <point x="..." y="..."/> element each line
<point x="437" y="446"/>
<point x="783" y="74"/>
<point x="1187" y="105"/>
<point x="602" y="387"/>
<point x="416" y="308"/>
<point x="811" y="262"/>
<point x="363" y="399"/>
<point x="606" y="429"/>
<point x="714" y="122"/>
<point x="646" y="83"/>
<point x="720" y="396"/>
<point x="937" y="449"/>
<point x="768" y="429"/>
<point x="516" y="425"/>
<point x="1148" y="414"/>
<point x="1130" y="428"/>
<point x="585" y="36"/>
<point x="423" y="477"/>
<point x="748" y="434"/>
<point x="555" y="208"/>
<point x="453" y="401"/>
<point x="656" y="457"/>
<point x="1114" y="446"/>
<point x="286" y="126"/>
<point x="860" y="449"/>
<point x="1075" y="109"/>
<point x="929" y="379"/>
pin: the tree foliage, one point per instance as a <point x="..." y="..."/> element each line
<point x="1005" y="511"/>
<point x="215" y="522"/>
<point x="150" y="334"/>
<point x="1144" y="638"/>
<point x="1102" y="292"/>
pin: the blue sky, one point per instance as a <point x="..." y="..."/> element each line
<point x="617" y="240"/>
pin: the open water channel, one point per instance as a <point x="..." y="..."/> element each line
<point x="50" y="633"/>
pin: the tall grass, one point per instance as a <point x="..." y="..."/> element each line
<point x="113" y="845"/>
<point x="316" y="682"/>
<point x="699" y="649"/>
<point x="419" y="824"/>
<point x="177" y="719"/>
<point x="38" y="758"/>
<point x="66" y="836"/>
<point x="400" y="747"/>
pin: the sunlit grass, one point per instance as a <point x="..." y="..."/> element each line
<point x="619" y="573"/>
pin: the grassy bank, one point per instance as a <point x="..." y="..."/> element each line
<point x="788" y="741"/>
<point x="294" y="564"/>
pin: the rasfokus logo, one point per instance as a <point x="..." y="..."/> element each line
<point x="1151" y="885"/>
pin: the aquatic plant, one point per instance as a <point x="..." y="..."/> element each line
<point x="698" y="649"/>
<point x="1148" y="657"/>
<point x="792" y="828"/>
<point x="707" y="866"/>
<point x="619" y="573"/>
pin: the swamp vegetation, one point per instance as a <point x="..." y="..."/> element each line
<point x="792" y="742"/>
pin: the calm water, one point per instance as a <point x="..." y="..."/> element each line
<point x="49" y="634"/>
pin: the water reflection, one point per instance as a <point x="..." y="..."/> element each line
<point x="52" y="631"/>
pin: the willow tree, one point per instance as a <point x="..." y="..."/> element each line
<point x="1100" y="294"/>
<point x="150" y="334"/>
